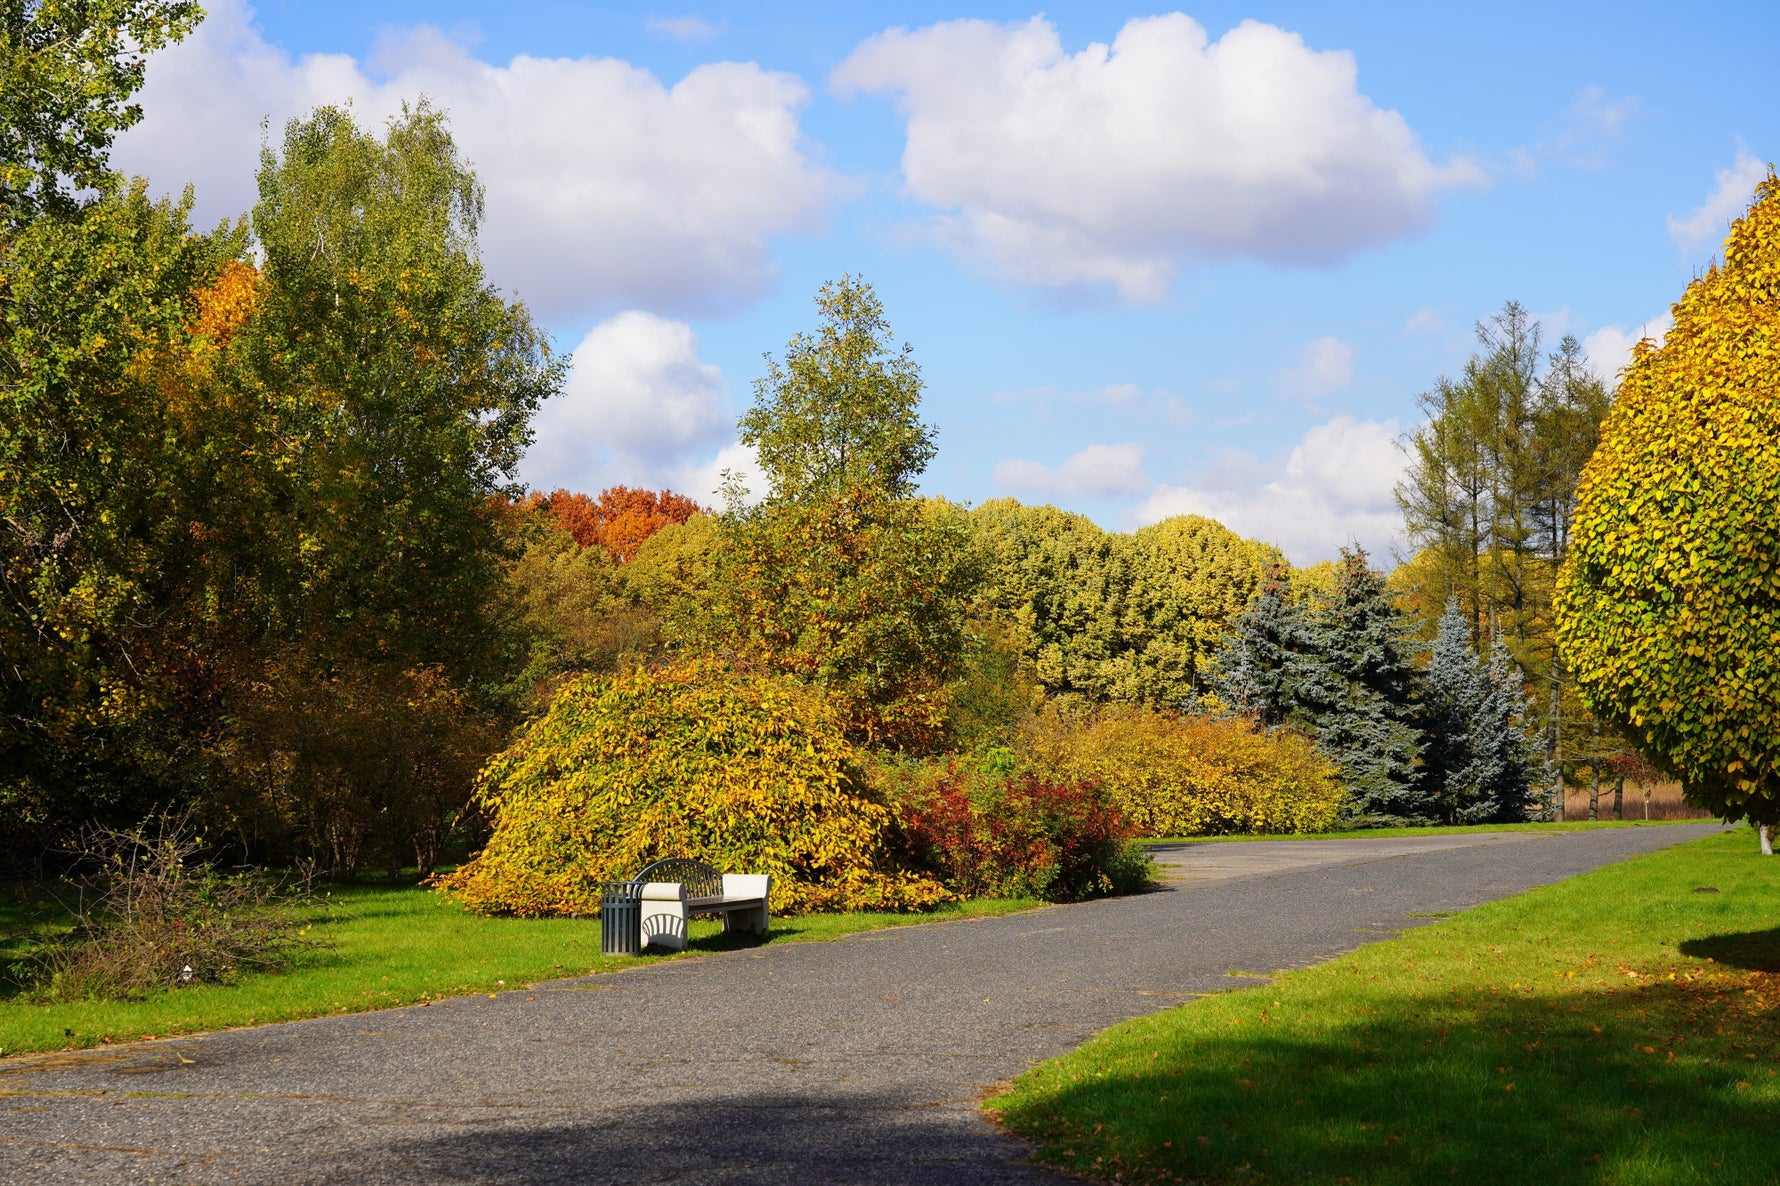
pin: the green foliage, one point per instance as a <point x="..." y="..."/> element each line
<point x="1356" y="695"/>
<point x="1134" y="618"/>
<point x="1669" y="603"/>
<point x="839" y="419"/>
<point x="839" y="577"/>
<point x="1171" y="774"/>
<point x="67" y="71"/>
<point x="751" y="773"/>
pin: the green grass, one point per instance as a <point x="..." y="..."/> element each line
<point x="1618" y="1027"/>
<point x="393" y="945"/>
<point x="1437" y="830"/>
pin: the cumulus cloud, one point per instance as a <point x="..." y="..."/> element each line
<point x="639" y="408"/>
<point x="1324" y="365"/>
<point x="1710" y="221"/>
<point x="1097" y="471"/>
<point x="1335" y="487"/>
<point x="607" y="189"/>
<point x="1108" y="166"/>
<point x="1609" y="348"/>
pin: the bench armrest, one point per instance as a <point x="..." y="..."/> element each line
<point x="663" y="891"/>
<point x="747" y="885"/>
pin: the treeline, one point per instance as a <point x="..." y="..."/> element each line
<point x="266" y="556"/>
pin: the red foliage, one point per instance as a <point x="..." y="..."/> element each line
<point x="619" y="520"/>
<point x="1021" y="836"/>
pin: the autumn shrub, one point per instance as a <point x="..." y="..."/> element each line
<point x="991" y="834"/>
<point x="150" y="913"/>
<point x="1176" y="774"/>
<point x="748" y="772"/>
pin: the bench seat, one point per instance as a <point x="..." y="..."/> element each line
<point x="666" y="908"/>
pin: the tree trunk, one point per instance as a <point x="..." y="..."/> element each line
<point x="1619" y="798"/>
<point x="1767" y="842"/>
<point x="1646" y="802"/>
<point x="1594" y="794"/>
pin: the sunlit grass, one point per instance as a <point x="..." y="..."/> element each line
<point x="392" y="945"/>
<point x="1620" y="1027"/>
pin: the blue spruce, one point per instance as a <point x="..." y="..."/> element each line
<point x="1477" y="763"/>
<point x="1257" y="669"/>
<point x="1356" y="693"/>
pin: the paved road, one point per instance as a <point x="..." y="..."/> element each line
<point x="858" y="1061"/>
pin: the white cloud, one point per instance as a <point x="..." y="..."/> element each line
<point x="1584" y="135"/>
<point x="1109" y="166"/>
<point x="1097" y="471"/>
<point x="1711" y="220"/>
<point x="1324" y="365"/>
<point x="1336" y="487"/>
<point x="684" y="28"/>
<point x="1609" y="348"/>
<point x="639" y="408"/>
<point x="606" y="188"/>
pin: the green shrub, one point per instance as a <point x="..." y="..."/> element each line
<point x="748" y="772"/>
<point x="1172" y="774"/>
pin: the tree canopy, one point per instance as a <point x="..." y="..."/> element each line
<point x="1669" y="603"/>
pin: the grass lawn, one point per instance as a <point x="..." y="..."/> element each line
<point x="1437" y="830"/>
<point x="1621" y="1027"/>
<point x="393" y="945"/>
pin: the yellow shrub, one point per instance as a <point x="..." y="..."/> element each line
<point x="1174" y="775"/>
<point x="747" y="772"/>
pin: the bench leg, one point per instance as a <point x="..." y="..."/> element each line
<point x="664" y="925"/>
<point x="753" y="922"/>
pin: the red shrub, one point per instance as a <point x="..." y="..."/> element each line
<point x="1021" y="836"/>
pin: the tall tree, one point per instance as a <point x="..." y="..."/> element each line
<point x="1357" y="691"/>
<point x="1488" y="493"/>
<point x="1260" y="666"/>
<point x="1669" y="601"/>
<point x="839" y="575"/>
<point x="1478" y="765"/>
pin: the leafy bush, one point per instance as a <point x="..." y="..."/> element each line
<point x="1171" y="774"/>
<point x="150" y="914"/>
<point x="998" y="834"/>
<point x="747" y="772"/>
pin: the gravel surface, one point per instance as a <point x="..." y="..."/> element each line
<point x="855" y="1061"/>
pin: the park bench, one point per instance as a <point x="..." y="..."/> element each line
<point x="671" y="891"/>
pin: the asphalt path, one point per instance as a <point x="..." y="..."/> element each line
<point x="859" y="1061"/>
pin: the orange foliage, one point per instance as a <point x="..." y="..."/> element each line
<point x="225" y="305"/>
<point x="619" y="520"/>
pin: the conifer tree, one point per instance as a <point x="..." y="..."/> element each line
<point x="1259" y="666"/>
<point x="1357" y="691"/>
<point x="1477" y="763"/>
<point x="1508" y="761"/>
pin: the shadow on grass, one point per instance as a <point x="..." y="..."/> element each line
<point x="1753" y="951"/>
<point x="1512" y="1089"/>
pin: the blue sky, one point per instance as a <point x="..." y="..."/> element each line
<point x="1149" y="263"/>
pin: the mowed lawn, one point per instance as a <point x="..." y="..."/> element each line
<point x="392" y="945"/>
<point x="1619" y="1027"/>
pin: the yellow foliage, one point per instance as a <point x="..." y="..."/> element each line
<point x="749" y="773"/>
<point x="1175" y="775"/>
<point x="1669" y="604"/>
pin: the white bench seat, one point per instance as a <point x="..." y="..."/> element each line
<point x="666" y="908"/>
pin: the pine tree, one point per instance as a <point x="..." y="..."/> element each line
<point x="1259" y="666"/>
<point x="1356" y="691"/>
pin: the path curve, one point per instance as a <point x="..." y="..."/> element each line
<point x="855" y="1061"/>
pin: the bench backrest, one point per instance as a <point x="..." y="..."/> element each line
<point x="701" y="880"/>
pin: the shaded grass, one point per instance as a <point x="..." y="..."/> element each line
<point x="393" y="945"/>
<point x="1435" y="830"/>
<point x="1618" y="1027"/>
